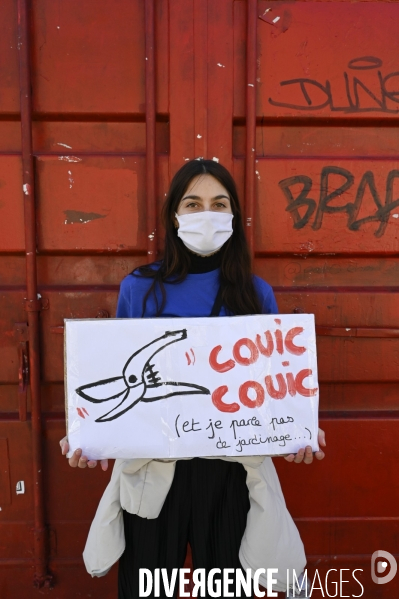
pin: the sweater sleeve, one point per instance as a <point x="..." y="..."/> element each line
<point x="132" y="292"/>
<point x="266" y="296"/>
<point x="123" y="309"/>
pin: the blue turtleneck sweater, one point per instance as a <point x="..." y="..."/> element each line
<point x="193" y="297"/>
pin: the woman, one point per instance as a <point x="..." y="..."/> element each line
<point x="205" y="271"/>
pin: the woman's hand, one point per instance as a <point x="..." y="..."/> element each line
<point x="306" y="455"/>
<point x="79" y="460"/>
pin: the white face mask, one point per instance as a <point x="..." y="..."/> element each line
<point x="204" y="232"/>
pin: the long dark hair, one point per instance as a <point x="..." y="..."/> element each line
<point x="238" y="291"/>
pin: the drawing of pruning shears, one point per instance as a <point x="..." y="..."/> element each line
<point x="139" y="381"/>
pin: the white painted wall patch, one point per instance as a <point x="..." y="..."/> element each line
<point x="20" y="488"/>
<point x="70" y="158"/>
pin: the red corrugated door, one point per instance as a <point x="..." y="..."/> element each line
<point x="300" y="100"/>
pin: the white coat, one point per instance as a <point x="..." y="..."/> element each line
<point x="140" y="486"/>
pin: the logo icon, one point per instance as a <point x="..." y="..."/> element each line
<point x="382" y="566"/>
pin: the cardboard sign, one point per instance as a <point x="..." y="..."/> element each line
<point x="175" y="387"/>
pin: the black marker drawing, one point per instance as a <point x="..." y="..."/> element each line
<point x="139" y="381"/>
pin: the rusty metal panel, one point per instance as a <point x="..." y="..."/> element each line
<point x="5" y="490"/>
<point x="85" y="269"/>
<point x="336" y="498"/>
<point x="108" y="129"/>
<point x="200" y="111"/>
<point x="335" y="270"/>
<point x="72" y="581"/>
<point x="375" y="308"/>
<point x="18" y="511"/>
<point x="9" y="98"/>
<point x="92" y="48"/>
<point x="293" y="138"/>
<point x="331" y="61"/>
<point x="98" y="137"/>
<point x="356" y="507"/>
<point x="365" y="360"/>
<point x="11" y="212"/>
<point x="59" y="507"/>
<point x="76" y="42"/>
<point x="359" y="397"/>
<point x="88" y="203"/>
<point x="70" y="303"/>
<point x="11" y="313"/>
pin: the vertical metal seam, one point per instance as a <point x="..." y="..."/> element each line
<point x="200" y="63"/>
<point x="151" y="206"/>
<point x="41" y="575"/>
<point x="250" y="114"/>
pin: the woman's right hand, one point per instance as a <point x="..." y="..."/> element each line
<point x="79" y="460"/>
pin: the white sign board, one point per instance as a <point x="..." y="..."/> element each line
<point x="175" y="387"/>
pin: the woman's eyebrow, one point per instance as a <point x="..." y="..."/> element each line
<point x="194" y="197"/>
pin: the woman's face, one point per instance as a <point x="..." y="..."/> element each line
<point x="204" y="193"/>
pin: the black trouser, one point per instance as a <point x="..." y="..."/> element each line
<point x="206" y="506"/>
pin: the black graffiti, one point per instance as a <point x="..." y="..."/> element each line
<point x="362" y="63"/>
<point x="327" y="196"/>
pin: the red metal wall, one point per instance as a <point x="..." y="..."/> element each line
<point x="292" y="111"/>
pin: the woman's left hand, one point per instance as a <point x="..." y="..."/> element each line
<point x="306" y="455"/>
